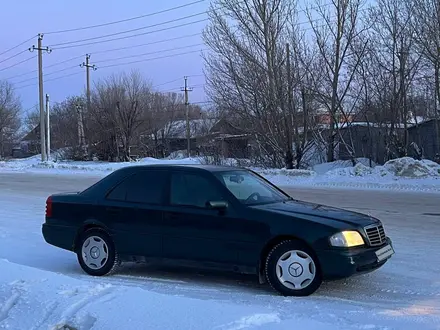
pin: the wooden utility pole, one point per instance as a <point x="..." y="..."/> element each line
<point x="188" y="131"/>
<point x="47" y="127"/>
<point x="81" y="139"/>
<point x="287" y="114"/>
<point x="87" y="65"/>
<point x="40" y="49"/>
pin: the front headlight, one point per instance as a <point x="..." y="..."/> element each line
<point x="347" y="238"/>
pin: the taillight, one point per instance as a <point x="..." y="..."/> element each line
<point x="49" y="207"/>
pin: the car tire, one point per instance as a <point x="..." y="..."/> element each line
<point x="96" y="253"/>
<point x="292" y="269"/>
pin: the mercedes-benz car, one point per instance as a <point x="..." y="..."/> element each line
<point x="213" y="217"/>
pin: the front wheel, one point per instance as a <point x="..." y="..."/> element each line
<point x="292" y="269"/>
<point x="96" y="253"/>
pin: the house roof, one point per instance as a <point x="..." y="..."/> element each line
<point x="33" y="135"/>
<point x="198" y="127"/>
<point x="414" y="126"/>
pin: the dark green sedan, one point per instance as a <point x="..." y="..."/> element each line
<point x="213" y="217"/>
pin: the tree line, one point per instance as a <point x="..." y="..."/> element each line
<point x="378" y="62"/>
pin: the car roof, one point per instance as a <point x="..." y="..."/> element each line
<point x="107" y="182"/>
<point x="209" y="168"/>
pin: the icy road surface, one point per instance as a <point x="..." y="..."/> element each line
<point x="42" y="287"/>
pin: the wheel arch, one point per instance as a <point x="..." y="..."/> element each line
<point x="88" y="224"/>
<point x="271" y="244"/>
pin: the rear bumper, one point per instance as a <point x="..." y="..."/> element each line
<point x="338" y="263"/>
<point x="59" y="236"/>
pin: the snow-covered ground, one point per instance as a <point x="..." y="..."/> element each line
<point x="42" y="287"/>
<point x="405" y="174"/>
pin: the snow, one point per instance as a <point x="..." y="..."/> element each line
<point x="403" y="174"/>
<point x="42" y="287"/>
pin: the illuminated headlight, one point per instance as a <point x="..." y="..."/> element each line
<point x="347" y="238"/>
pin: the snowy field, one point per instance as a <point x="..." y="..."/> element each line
<point x="42" y="287"/>
<point x="404" y="174"/>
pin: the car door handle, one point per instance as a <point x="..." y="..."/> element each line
<point x="171" y="216"/>
<point x="113" y="210"/>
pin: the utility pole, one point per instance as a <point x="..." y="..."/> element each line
<point x="188" y="134"/>
<point x="287" y="115"/>
<point x="87" y="65"/>
<point x="81" y="139"/>
<point x="47" y="127"/>
<point x="40" y="49"/>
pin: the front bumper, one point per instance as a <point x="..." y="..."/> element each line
<point x="342" y="263"/>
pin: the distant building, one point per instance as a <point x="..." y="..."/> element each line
<point x="425" y="137"/>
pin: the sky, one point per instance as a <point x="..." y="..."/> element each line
<point x="21" y="20"/>
<point x="169" y="55"/>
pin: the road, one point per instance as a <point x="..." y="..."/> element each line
<point x="408" y="286"/>
<point x="424" y="205"/>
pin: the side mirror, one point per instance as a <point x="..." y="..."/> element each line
<point x="217" y="205"/>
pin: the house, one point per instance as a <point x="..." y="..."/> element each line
<point x="6" y="142"/>
<point x="425" y="137"/>
<point x="29" y="145"/>
<point x="231" y="141"/>
<point x="207" y="136"/>
<point x="368" y="140"/>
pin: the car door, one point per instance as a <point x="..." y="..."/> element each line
<point x="135" y="208"/>
<point x="194" y="232"/>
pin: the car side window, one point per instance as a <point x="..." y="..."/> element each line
<point x="192" y="190"/>
<point x="146" y="187"/>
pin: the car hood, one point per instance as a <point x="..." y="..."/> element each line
<point x="301" y="209"/>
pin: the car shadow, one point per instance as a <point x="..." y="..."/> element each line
<point x="201" y="284"/>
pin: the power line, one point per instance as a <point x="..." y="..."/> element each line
<point x="108" y="66"/>
<point x="103" y="61"/>
<point x="98" y="52"/>
<point x="20" y="44"/>
<point x="149" y="53"/>
<point x="46" y="67"/>
<point x="128" y="47"/>
<point x="149" y="26"/>
<point x="52" y="79"/>
<point x="168" y="82"/>
<point x="65" y="61"/>
<point x="13" y="65"/>
<point x="146" y="44"/>
<point x="13" y="56"/>
<point x="123" y="48"/>
<point x="134" y="35"/>
<point x="47" y="74"/>
<point x="128" y="31"/>
<point x="69" y="44"/>
<point x="150" y="59"/>
<point x="126" y="20"/>
<point x="177" y="79"/>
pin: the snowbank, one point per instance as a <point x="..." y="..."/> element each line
<point x="411" y="168"/>
<point x="399" y="168"/>
<point x="398" y="174"/>
<point x="36" y="299"/>
<point x="96" y="166"/>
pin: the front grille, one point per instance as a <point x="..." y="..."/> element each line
<point x="376" y="235"/>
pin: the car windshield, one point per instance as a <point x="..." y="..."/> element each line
<point x="249" y="188"/>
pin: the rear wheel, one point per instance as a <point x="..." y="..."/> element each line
<point x="96" y="253"/>
<point x="292" y="269"/>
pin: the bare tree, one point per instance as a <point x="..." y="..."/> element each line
<point x="118" y="106"/>
<point x="393" y="37"/>
<point x="425" y="19"/>
<point x="64" y="122"/>
<point x="10" y="107"/>
<point x="247" y="74"/>
<point x="341" y="43"/>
